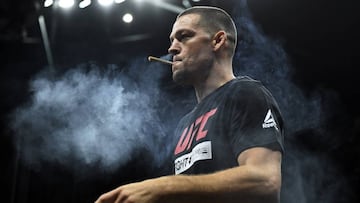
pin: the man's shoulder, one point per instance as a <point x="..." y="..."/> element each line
<point x="245" y="82"/>
<point x="246" y="89"/>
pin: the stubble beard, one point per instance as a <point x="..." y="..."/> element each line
<point x="181" y="77"/>
<point x="190" y="73"/>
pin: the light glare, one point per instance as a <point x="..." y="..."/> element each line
<point x="84" y="3"/>
<point x="66" y="3"/>
<point x="105" y="2"/>
<point x="127" y="18"/>
<point x="48" y="3"/>
<point x="118" y="1"/>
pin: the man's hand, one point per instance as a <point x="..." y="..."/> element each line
<point x="141" y="192"/>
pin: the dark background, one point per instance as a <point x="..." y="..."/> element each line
<point x="321" y="39"/>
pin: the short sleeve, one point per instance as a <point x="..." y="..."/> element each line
<point x="255" y="119"/>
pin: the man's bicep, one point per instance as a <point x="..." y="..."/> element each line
<point x="265" y="158"/>
<point x="263" y="162"/>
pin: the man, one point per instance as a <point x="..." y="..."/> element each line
<point x="230" y="145"/>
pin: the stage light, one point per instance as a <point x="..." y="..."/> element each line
<point x="186" y="3"/>
<point x="127" y="18"/>
<point x="84" y="3"/>
<point x="118" y="1"/>
<point x="66" y="3"/>
<point x="105" y="2"/>
<point x="48" y="3"/>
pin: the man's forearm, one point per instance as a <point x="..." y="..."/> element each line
<point x="240" y="184"/>
<point x="256" y="180"/>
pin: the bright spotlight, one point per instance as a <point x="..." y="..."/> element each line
<point x="186" y="3"/>
<point x="128" y="18"/>
<point x="84" y="3"/>
<point x="118" y="1"/>
<point x="48" y="3"/>
<point x="66" y="3"/>
<point x="105" y="2"/>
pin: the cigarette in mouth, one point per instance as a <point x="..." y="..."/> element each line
<point x="153" y="58"/>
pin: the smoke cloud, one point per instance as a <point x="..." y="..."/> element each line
<point x="265" y="59"/>
<point x="90" y="116"/>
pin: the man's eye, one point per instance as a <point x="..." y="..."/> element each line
<point x="184" y="37"/>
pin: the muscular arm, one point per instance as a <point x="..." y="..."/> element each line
<point x="256" y="179"/>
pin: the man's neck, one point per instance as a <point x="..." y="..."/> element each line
<point x="210" y="85"/>
<point x="221" y="73"/>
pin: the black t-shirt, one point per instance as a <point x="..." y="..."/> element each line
<point x="238" y="115"/>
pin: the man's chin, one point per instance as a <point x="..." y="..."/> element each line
<point x="180" y="78"/>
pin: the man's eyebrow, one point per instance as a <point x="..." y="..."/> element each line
<point x="173" y="35"/>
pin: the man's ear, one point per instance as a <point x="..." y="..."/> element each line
<point x="219" y="40"/>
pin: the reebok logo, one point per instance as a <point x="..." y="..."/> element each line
<point x="269" y="121"/>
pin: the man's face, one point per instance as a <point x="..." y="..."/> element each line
<point x="191" y="49"/>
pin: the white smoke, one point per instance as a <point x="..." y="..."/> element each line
<point x="89" y="117"/>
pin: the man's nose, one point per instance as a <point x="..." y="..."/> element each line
<point x="174" y="48"/>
